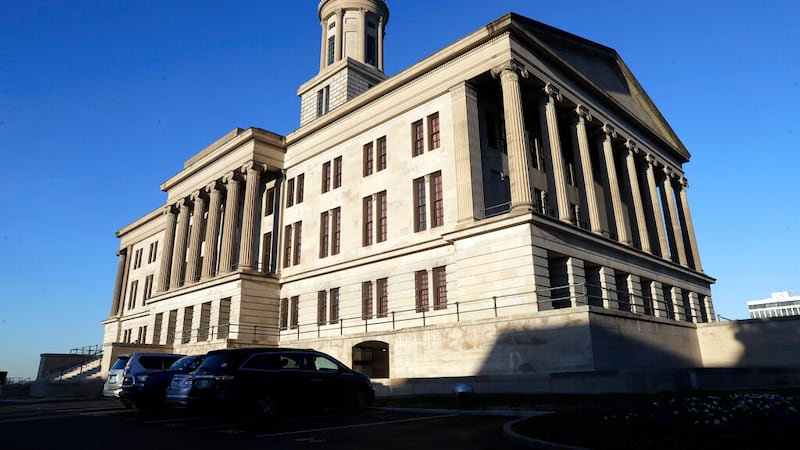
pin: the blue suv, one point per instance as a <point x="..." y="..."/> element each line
<point x="146" y="390"/>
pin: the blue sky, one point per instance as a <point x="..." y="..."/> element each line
<point x="101" y="101"/>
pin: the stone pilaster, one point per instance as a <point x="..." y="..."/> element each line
<point x="179" y="250"/>
<point x="122" y="269"/>
<point x="196" y="238"/>
<point x="337" y="45"/>
<point x="380" y="43"/>
<point x="469" y="178"/>
<point x="689" y="227"/>
<point x="613" y="184"/>
<point x="552" y="140"/>
<point x="518" y="164"/>
<point x="576" y="273"/>
<point x="636" y="194"/>
<point x="212" y="230"/>
<point x="230" y="224"/>
<point x="582" y="116"/>
<point x="247" y="247"/>
<point x="608" y="284"/>
<point x="658" y="217"/>
<point x="668" y="195"/>
<point x="169" y="243"/>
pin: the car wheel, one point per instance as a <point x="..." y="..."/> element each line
<point x="265" y="407"/>
<point x="359" y="400"/>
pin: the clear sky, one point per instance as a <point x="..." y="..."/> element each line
<point x="103" y="100"/>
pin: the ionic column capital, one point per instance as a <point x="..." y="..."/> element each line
<point x="609" y="131"/>
<point x="583" y="113"/>
<point x="251" y="165"/>
<point x="684" y="182"/>
<point x="553" y="92"/>
<point x="632" y="146"/>
<point x="668" y="172"/>
<point x="512" y="66"/>
<point x="214" y="185"/>
<point x="231" y="176"/>
<point x="169" y="210"/>
<point x="183" y="203"/>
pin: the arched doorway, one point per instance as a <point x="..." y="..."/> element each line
<point x="372" y="359"/>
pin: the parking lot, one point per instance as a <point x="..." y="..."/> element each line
<point x="105" y="423"/>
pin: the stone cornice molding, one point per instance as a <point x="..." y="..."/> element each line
<point x="510" y="66"/>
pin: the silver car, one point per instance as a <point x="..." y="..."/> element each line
<point x="134" y="363"/>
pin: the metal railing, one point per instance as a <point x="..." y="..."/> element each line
<point x="548" y="299"/>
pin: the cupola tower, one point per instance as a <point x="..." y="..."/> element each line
<point x="351" y="55"/>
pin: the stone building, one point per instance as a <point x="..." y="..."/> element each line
<point x="511" y="208"/>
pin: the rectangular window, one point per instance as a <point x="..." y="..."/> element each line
<point x="322" y="307"/>
<point x="366" y="233"/>
<point x="336" y="230"/>
<point x="290" y="192"/>
<point x="381" y="153"/>
<point x="366" y="300"/>
<point x="284" y="319"/>
<point x="323" y="100"/>
<point x="298" y="232"/>
<point x="433" y="131"/>
<point x="148" y="287"/>
<point x="334" y="309"/>
<point x="324" y="234"/>
<point x="337" y="172"/>
<point x="382" y="216"/>
<point x="151" y="257"/>
<point x="326" y="177"/>
<point x="439" y="288"/>
<point x="420" y="219"/>
<point x="295" y="305"/>
<point x="383" y="297"/>
<point x="300" y="187"/>
<point x="368" y="159"/>
<point x="266" y="253"/>
<point x="331" y="44"/>
<point x="421" y="289"/>
<point x="437" y="200"/>
<point x="417" y="138"/>
<point x="371" y="50"/>
<point x="270" y="199"/>
<point x="132" y="296"/>
<point x="287" y="246"/>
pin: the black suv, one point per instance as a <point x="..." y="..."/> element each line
<point x="265" y="380"/>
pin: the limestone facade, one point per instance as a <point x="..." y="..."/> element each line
<point x="495" y="209"/>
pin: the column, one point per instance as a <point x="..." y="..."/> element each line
<point x="668" y="195"/>
<point x="608" y="284"/>
<point x="323" y="52"/>
<point x="659" y="302"/>
<point x="582" y="138"/>
<point x="338" y="45"/>
<point x="212" y="231"/>
<point x="196" y="239"/>
<point x="636" y="194"/>
<point x="659" y="219"/>
<point x="518" y="164"/>
<point x="380" y="43"/>
<point x="362" y="35"/>
<point x="635" y="291"/>
<point x="179" y="251"/>
<point x="229" y="226"/>
<point x="469" y="178"/>
<point x="676" y="294"/>
<point x="687" y="221"/>
<point x="613" y="184"/>
<point x="553" y="142"/>
<point x="247" y="253"/>
<point x="166" y="251"/>
<point x="576" y="274"/>
<point x="122" y="266"/>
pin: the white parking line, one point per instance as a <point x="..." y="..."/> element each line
<point x="360" y="425"/>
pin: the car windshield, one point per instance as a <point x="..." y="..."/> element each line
<point x="187" y="363"/>
<point x="119" y="364"/>
<point x="217" y="364"/>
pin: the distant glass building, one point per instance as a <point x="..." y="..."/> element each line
<point x="780" y="304"/>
